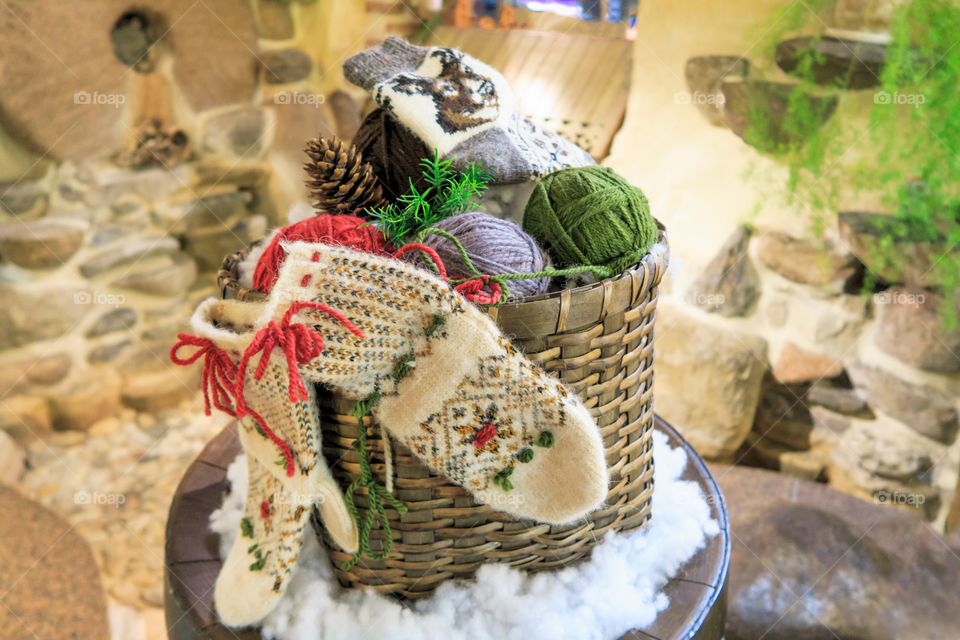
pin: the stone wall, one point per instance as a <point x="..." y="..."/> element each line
<point x="767" y="352"/>
<point x="111" y="228"/>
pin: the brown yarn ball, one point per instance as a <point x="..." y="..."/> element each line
<point x="394" y="151"/>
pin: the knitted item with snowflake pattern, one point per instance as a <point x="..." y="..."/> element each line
<point x="442" y="380"/>
<point x="463" y="108"/>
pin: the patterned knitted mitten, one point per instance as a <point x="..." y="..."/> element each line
<point x="442" y="380"/>
<point x="258" y="568"/>
<point x="462" y="107"/>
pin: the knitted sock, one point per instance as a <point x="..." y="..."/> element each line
<point x="462" y="107"/>
<point x="443" y="381"/>
<point x="280" y="428"/>
<point x="258" y="567"/>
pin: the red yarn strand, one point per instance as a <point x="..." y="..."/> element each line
<point x="219" y="373"/>
<point x="299" y="345"/>
<point x="342" y="230"/>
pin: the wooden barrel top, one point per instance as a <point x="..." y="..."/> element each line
<point x="697" y="608"/>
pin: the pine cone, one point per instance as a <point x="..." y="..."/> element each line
<point x="339" y="180"/>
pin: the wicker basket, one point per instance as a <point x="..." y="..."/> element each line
<point x="599" y="340"/>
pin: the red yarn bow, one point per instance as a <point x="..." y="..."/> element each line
<point x="471" y="289"/>
<point x="299" y="344"/>
<point x="219" y="373"/>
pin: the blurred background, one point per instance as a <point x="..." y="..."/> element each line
<point x="802" y="155"/>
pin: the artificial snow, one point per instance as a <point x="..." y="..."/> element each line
<point x="617" y="589"/>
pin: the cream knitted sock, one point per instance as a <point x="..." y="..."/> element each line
<point x="443" y="381"/>
<point x="282" y="431"/>
<point x="258" y="567"/>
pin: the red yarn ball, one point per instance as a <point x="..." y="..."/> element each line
<point x="340" y="230"/>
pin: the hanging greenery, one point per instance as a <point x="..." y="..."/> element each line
<point x="896" y="144"/>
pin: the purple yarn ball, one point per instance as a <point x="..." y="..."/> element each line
<point x="494" y="246"/>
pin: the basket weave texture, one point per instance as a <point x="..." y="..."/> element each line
<point x="598" y="339"/>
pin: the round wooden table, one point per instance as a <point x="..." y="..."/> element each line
<point x="697" y="608"/>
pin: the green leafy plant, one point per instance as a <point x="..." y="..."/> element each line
<point x="895" y="146"/>
<point x="448" y="193"/>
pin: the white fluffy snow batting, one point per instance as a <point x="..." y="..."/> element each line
<point x="617" y="589"/>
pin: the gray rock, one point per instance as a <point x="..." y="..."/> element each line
<point x="884" y="457"/>
<point x="27" y="200"/>
<point x="911" y="329"/>
<point x="708" y="380"/>
<point x="124" y="254"/>
<point x="783" y="417"/>
<point x="741" y="99"/>
<point x="729" y="285"/>
<point x="804" y="262"/>
<point x="41" y="244"/>
<point x="44" y="370"/>
<point x="108" y="352"/>
<point x="131" y="207"/>
<point x="39" y="314"/>
<point x="219" y="209"/>
<point x="896" y="259"/>
<point x="828" y="421"/>
<point x="111" y="233"/>
<point x="49" y="369"/>
<point x="836" y="62"/>
<point x="281" y="66"/>
<point x="116" y="320"/>
<point x="704" y="75"/>
<point x="237" y="132"/>
<point x="812" y="563"/>
<point x="925" y="410"/>
<point x="840" y="400"/>
<point x="171" y="277"/>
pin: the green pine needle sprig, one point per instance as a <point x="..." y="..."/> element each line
<point x="449" y="191"/>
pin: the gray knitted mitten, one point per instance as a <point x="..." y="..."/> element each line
<point x="462" y="107"/>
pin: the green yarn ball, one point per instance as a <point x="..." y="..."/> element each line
<point x="590" y="216"/>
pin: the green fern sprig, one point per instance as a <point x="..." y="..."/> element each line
<point x="448" y="193"/>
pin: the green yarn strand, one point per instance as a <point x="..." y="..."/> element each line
<point x="376" y="493"/>
<point x="601" y="271"/>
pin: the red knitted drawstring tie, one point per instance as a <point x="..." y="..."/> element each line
<point x="299" y="344"/>
<point x="472" y="289"/>
<point x="219" y="375"/>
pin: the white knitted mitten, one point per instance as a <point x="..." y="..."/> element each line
<point x="442" y="380"/>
